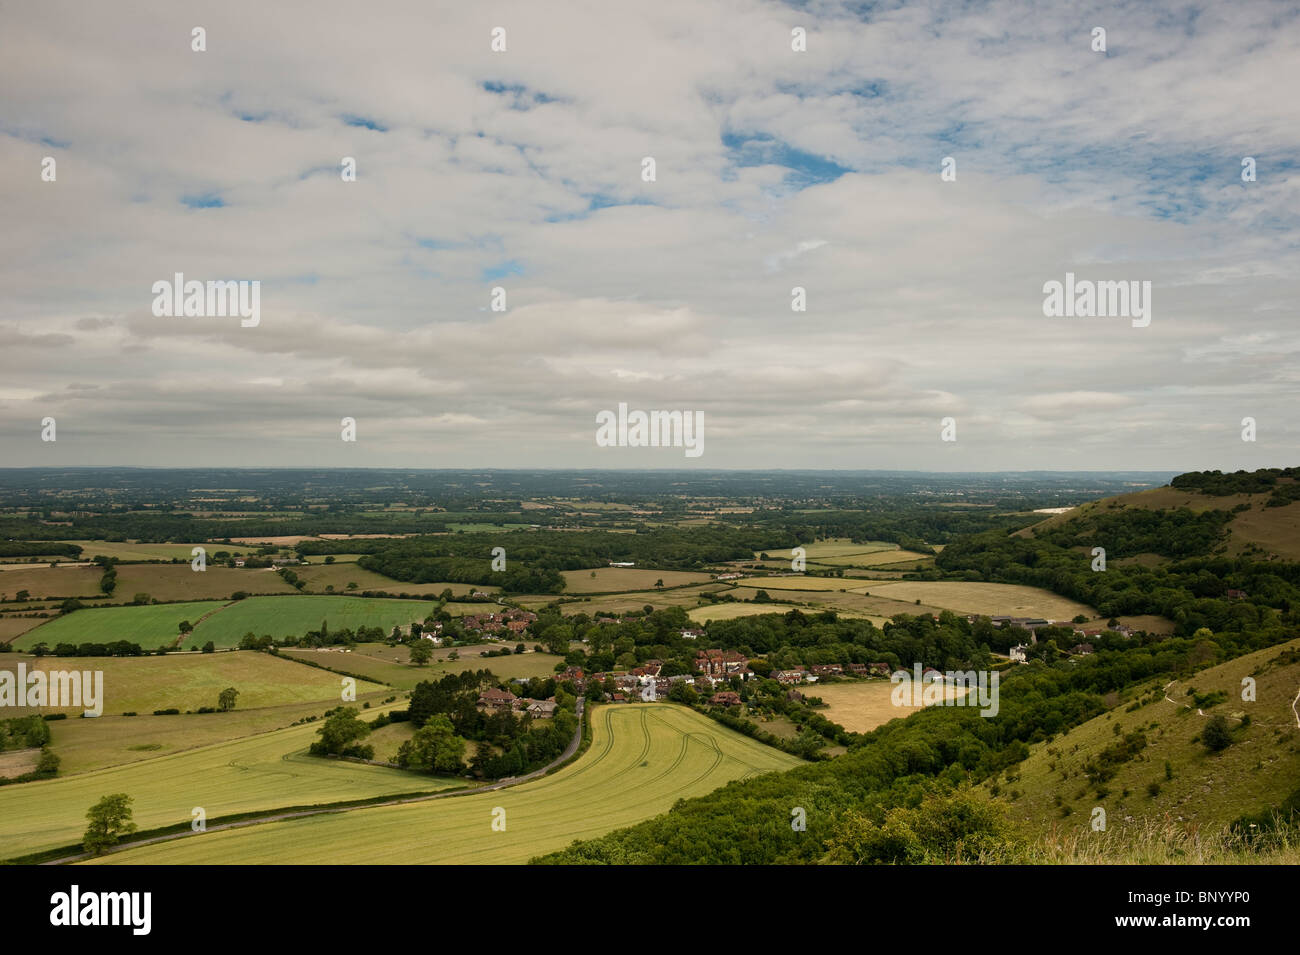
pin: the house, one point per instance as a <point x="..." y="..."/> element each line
<point x="692" y="634"/>
<point x="794" y="696"/>
<point x="725" y="699"/>
<point x="788" y="677"/>
<point x="622" y="563"/>
<point x="858" y="669"/>
<point x="1236" y="595"/>
<point x="572" y="673"/>
<point x="879" y="669"/>
<point x="826" y="669"/>
<point x="719" y="662"/>
<point x="541" y="709"/>
<point x="1018" y="653"/>
<point x="1081" y="649"/>
<point x="496" y="700"/>
<point x="239" y="562"/>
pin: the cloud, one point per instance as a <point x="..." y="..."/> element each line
<point x="774" y="169"/>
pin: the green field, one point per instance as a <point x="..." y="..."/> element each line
<point x="150" y="626"/>
<point x="378" y="661"/>
<point x="293" y="616"/>
<point x="132" y="550"/>
<point x="260" y="772"/>
<point x="187" y="681"/>
<point x="643" y="758"/>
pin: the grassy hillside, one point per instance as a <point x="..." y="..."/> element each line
<point x="1262" y="524"/>
<point x="1061" y="783"/>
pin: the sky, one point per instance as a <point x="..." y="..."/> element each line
<point x="775" y="168"/>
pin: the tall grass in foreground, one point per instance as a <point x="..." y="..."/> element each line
<point x="1156" y="843"/>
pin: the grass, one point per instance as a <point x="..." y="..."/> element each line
<point x="64" y="580"/>
<point x="880" y="558"/>
<point x="797" y="582"/>
<point x="180" y="582"/>
<point x="18" y="761"/>
<point x="991" y="599"/>
<point x="261" y="772"/>
<point x="85" y="745"/>
<point x="293" y="616"/>
<point x="832" y="547"/>
<point x="132" y="550"/>
<point x="730" y="611"/>
<point x="600" y="580"/>
<point x="391" y="664"/>
<point x="11" y="627"/>
<point x="150" y="626"/>
<point x="643" y="758"/>
<point x="190" y="680"/>
<point x="1260" y="768"/>
<point x="863" y="705"/>
<point x="338" y="575"/>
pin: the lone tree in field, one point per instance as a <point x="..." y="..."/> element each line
<point x="421" y="652"/>
<point x="110" y="820"/>
<point x="1216" y="736"/>
<point x="186" y="626"/>
<point x="226" y="699"/>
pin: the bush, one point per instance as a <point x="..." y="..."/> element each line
<point x="1216" y="736"/>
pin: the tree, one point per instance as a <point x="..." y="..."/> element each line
<point x="352" y="585"/>
<point x="226" y="699"/>
<point x="110" y="819"/>
<point x="140" y="600"/>
<point x="421" y="652"/>
<point x="338" y="737"/>
<point x="435" y="748"/>
<point x="186" y="626"/>
<point x="209" y="647"/>
<point x="329" y="559"/>
<point x="659" y="583"/>
<point x="1216" y="736"/>
<point x="22" y="595"/>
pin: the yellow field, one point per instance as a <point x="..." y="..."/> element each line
<point x="799" y="582"/>
<point x="339" y="574"/>
<point x="64" y="580"/>
<point x="261" y="772"/>
<point x="643" y="758"/>
<point x="131" y="550"/>
<point x="854" y="601"/>
<point x="189" y="681"/>
<point x="990" y="599"/>
<point x="877" y="558"/>
<point x="730" y="611"/>
<point x="862" y="706"/>
<point x="834" y="547"/>
<point x="612" y="579"/>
